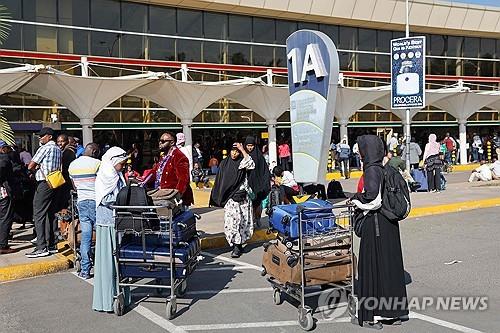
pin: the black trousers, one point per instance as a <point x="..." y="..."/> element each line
<point x="287" y="192"/>
<point x="434" y="179"/>
<point x="316" y="188"/>
<point x="6" y="215"/>
<point x="44" y="215"/>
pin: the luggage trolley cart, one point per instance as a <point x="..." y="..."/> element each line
<point x="313" y="243"/>
<point x="139" y="228"/>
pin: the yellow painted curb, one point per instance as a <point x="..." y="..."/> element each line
<point x="465" y="167"/>
<point x="455" y="207"/>
<point x="62" y="261"/>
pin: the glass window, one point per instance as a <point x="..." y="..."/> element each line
<point x="438" y="45"/>
<point x="367" y="39"/>
<point x="471" y="47"/>
<point x="453" y="67"/>
<point x="214" y="52"/>
<point x="188" y="50"/>
<point x="40" y="10"/>
<point x="284" y="29"/>
<point x="264" y="30"/>
<point x="162" y="20"/>
<point x="331" y="31"/>
<point x="383" y="63"/>
<point x="105" y="14"/>
<point x="280" y="55"/>
<point x="307" y="25"/>
<point x="398" y="34"/>
<point x="437" y="66"/>
<point x="161" y="48"/>
<point x="454" y="46"/>
<point x="347" y="38"/>
<point x="13" y="8"/>
<point x="105" y="44"/>
<point x="384" y="40"/>
<point x="133" y="19"/>
<point x="487" y="48"/>
<point x="215" y="25"/>
<point x="13" y="39"/>
<point x="471" y="68"/>
<point x="238" y="54"/>
<point x="366" y="62"/>
<point x="346" y="60"/>
<point x="240" y="28"/>
<point x="262" y="56"/>
<point x="74" y="12"/>
<point x="486" y="68"/>
<point x="189" y="23"/>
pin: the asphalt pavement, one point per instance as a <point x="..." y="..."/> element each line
<point x="447" y="255"/>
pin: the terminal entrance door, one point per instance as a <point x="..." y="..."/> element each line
<point x="384" y="133"/>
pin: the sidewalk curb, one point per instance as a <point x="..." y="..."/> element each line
<point x="62" y="261"/>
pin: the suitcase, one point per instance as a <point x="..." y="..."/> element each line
<point x="420" y="176"/>
<point x="283" y="265"/>
<point x="154" y="260"/>
<point x="284" y="219"/>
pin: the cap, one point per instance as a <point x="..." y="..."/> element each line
<point x="181" y="138"/>
<point x="234" y="146"/>
<point x="3" y="144"/>
<point x="46" y="130"/>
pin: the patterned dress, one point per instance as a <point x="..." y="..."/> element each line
<point x="238" y="216"/>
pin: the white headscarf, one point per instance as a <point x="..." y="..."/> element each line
<point x="107" y="177"/>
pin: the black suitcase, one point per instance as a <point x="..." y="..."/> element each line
<point x="135" y="219"/>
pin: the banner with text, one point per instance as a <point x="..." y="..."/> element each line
<point x="408" y="73"/>
<point x="313" y="71"/>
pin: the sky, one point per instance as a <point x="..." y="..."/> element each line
<point x="481" y="2"/>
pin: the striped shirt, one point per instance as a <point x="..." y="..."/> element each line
<point x="83" y="172"/>
<point x="48" y="157"/>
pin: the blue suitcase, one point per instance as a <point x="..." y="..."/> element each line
<point x="285" y="219"/>
<point x="420" y="176"/>
<point x="183" y="229"/>
<point x="154" y="262"/>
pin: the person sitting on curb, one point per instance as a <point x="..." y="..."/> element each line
<point x="495" y="167"/>
<point x="483" y="173"/>
<point x="286" y="183"/>
<point x="199" y="176"/>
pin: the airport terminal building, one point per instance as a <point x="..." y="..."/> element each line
<point x="226" y="39"/>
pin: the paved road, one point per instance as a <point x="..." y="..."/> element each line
<point x="230" y="296"/>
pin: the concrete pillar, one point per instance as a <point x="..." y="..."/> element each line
<point x="273" y="147"/>
<point x="343" y="129"/>
<point x="462" y="133"/>
<point x="186" y="129"/>
<point x="87" y="136"/>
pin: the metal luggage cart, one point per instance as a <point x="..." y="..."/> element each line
<point x="313" y="241"/>
<point x="177" y="286"/>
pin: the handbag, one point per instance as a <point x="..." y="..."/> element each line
<point x="54" y="179"/>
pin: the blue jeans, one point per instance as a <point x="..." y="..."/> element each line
<point x="86" y="213"/>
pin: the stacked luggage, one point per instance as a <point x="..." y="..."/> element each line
<point x="154" y="242"/>
<point x="313" y="248"/>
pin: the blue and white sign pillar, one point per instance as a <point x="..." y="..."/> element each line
<point x="408" y="79"/>
<point x="313" y="70"/>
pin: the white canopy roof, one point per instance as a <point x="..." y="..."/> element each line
<point x="464" y="104"/>
<point x="350" y="100"/>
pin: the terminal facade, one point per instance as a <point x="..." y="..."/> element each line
<point x="218" y="40"/>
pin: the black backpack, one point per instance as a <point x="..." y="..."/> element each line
<point x="335" y="190"/>
<point x="135" y="219"/>
<point x="396" y="203"/>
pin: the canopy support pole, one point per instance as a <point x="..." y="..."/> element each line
<point x="87" y="136"/>
<point x="462" y="132"/>
<point x="343" y="130"/>
<point x="273" y="146"/>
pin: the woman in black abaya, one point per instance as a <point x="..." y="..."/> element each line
<point x="259" y="178"/>
<point x="380" y="286"/>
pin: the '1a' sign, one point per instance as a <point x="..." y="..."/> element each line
<point x="313" y="71"/>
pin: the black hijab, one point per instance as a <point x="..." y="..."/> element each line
<point x="259" y="179"/>
<point x="227" y="182"/>
<point x="371" y="149"/>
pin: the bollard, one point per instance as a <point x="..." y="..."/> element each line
<point x="329" y="164"/>
<point x="454" y="156"/>
<point x="224" y="154"/>
<point x="488" y="150"/>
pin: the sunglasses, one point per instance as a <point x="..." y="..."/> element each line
<point x="165" y="141"/>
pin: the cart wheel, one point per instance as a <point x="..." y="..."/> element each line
<point x="277" y="297"/>
<point x="78" y="265"/>
<point x="306" y="320"/>
<point x="181" y="289"/>
<point x="352" y="305"/>
<point x="171" y="308"/>
<point x="118" y="306"/>
<point x="263" y="271"/>
<point x="289" y="244"/>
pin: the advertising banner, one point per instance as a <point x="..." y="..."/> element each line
<point x="313" y="71"/>
<point x="408" y="73"/>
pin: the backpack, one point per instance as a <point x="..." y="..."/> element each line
<point x="396" y="203"/>
<point x="345" y="153"/>
<point x="135" y="219"/>
<point x="335" y="190"/>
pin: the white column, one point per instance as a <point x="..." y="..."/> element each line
<point x="186" y="129"/>
<point x="343" y="129"/>
<point x="87" y="136"/>
<point x="462" y="132"/>
<point x="273" y="149"/>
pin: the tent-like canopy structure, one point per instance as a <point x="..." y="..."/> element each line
<point x="86" y="96"/>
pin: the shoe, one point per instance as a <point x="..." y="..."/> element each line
<point x="7" y="250"/>
<point x="391" y="322"/>
<point x="236" y="251"/>
<point x="33" y="241"/>
<point x="84" y="276"/>
<point x="53" y="250"/>
<point x="373" y="325"/>
<point x="38" y="253"/>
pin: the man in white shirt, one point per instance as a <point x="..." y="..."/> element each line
<point x="287" y="184"/>
<point x="482" y="173"/>
<point x="495" y="167"/>
<point x="181" y="144"/>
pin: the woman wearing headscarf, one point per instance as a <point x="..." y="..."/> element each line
<point x="433" y="164"/>
<point x="259" y="178"/>
<point x="380" y="266"/>
<point x="108" y="183"/>
<point x="231" y="191"/>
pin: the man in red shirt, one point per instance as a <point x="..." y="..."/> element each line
<point x="172" y="171"/>
<point x="450" y="146"/>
